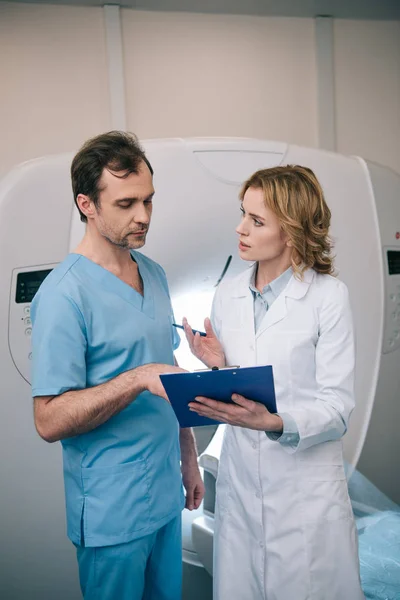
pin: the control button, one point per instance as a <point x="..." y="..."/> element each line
<point x="30" y="355"/>
<point x="28" y="331"/>
<point x="27" y="310"/>
<point x="27" y="321"/>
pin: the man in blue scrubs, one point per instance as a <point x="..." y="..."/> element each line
<point x="102" y="335"/>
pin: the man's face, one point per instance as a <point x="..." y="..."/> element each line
<point x="125" y="207"/>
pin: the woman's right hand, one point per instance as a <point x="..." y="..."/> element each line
<point x="207" y="348"/>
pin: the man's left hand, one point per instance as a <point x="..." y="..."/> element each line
<point x="243" y="413"/>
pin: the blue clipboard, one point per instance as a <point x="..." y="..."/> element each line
<point x="255" y="383"/>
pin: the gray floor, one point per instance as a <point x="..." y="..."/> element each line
<point x="196" y="584"/>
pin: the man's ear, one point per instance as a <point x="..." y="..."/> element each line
<point x="86" y="206"/>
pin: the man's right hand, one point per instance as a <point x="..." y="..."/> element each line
<point x="79" y="411"/>
<point x="150" y="377"/>
<point x="207" y="348"/>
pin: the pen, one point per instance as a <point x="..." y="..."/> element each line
<point x="194" y="330"/>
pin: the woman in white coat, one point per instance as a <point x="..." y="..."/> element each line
<point x="284" y="527"/>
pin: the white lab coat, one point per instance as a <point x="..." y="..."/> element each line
<point x="284" y="527"/>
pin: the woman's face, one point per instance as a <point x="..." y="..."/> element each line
<point x="260" y="235"/>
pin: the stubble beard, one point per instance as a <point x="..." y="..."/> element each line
<point x="125" y="242"/>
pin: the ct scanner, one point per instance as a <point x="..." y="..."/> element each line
<point x="192" y="235"/>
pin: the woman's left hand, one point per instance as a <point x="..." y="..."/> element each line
<point x="243" y="413"/>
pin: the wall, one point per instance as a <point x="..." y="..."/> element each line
<point x="367" y="81"/>
<point x="54" y="82"/>
<point x="192" y="75"/>
<point x="201" y="75"/>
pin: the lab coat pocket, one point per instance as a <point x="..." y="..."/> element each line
<point x="326" y="454"/>
<point x="116" y="501"/>
<point x="325" y="493"/>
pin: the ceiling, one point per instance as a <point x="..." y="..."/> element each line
<point x="340" y="9"/>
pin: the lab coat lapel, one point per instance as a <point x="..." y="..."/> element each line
<point x="295" y="289"/>
<point x="274" y="314"/>
<point x="243" y="303"/>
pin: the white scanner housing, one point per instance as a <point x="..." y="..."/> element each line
<point x="192" y="234"/>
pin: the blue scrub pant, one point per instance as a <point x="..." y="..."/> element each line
<point x="149" y="568"/>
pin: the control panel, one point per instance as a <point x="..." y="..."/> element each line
<point x="25" y="283"/>
<point x="391" y="339"/>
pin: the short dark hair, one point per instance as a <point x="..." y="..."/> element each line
<point x="116" y="150"/>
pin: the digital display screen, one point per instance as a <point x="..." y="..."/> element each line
<point x="394" y="262"/>
<point x="28" y="284"/>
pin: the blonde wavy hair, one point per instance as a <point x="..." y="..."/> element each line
<point x="295" y="196"/>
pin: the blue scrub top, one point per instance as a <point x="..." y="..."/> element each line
<point x="122" y="479"/>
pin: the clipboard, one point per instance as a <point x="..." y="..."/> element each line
<point x="255" y="383"/>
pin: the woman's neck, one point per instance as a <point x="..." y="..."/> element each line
<point x="268" y="270"/>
